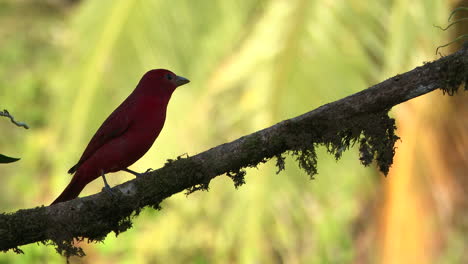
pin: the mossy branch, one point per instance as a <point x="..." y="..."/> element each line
<point x="357" y="119"/>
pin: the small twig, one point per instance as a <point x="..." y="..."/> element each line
<point x="456" y="10"/>
<point x="451" y="24"/>
<point x="7" y="114"/>
<point x="463" y="8"/>
<point x="451" y="42"/>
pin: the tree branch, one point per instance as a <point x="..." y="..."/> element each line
<point x="360" y="118"/>
<point x="12" y="119"/>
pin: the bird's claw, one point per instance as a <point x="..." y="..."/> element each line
<point x="137" y="174"/>
<point x="107" y="189"/>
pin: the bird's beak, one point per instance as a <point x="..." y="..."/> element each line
<point x="179" y="80"/>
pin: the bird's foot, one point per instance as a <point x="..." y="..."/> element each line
<point x="137" y="174"/>
<point x="106" y="187"/>
<point x="108" y="190"/>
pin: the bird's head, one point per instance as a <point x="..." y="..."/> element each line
<point x="161" y="81"/>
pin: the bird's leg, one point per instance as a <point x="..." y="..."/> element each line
<point x="106" y="188"/>
<point x="137" y="174"/>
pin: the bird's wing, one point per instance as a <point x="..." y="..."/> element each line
<point x="114" y="126"/>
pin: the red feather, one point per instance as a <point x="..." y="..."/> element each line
<point x="128" y="133"/>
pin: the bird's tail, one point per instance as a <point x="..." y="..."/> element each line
<point x="73" y="189"/>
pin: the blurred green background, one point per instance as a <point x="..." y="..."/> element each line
<point x="65" y="65"/>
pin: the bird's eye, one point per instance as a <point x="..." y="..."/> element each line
<point x="169" y="77"/>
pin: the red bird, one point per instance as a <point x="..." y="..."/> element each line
<point x="127" y="134"/>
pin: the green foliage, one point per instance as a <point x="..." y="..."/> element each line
<point x="251" y="63"/>
<point x="6" y="159"/>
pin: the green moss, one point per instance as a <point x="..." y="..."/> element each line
<point x="280" y="163"/>
<point x="454" y="74"/>
<point x="95" y="227"/>
<point x="375" y="133"/>
<point x="307" y="160"/>
<point x="67" y="249"/>
<point x="238" y="177"/>
<point x="247" y="157"/>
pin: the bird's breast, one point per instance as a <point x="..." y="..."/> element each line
<point x="148" y="122"/>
